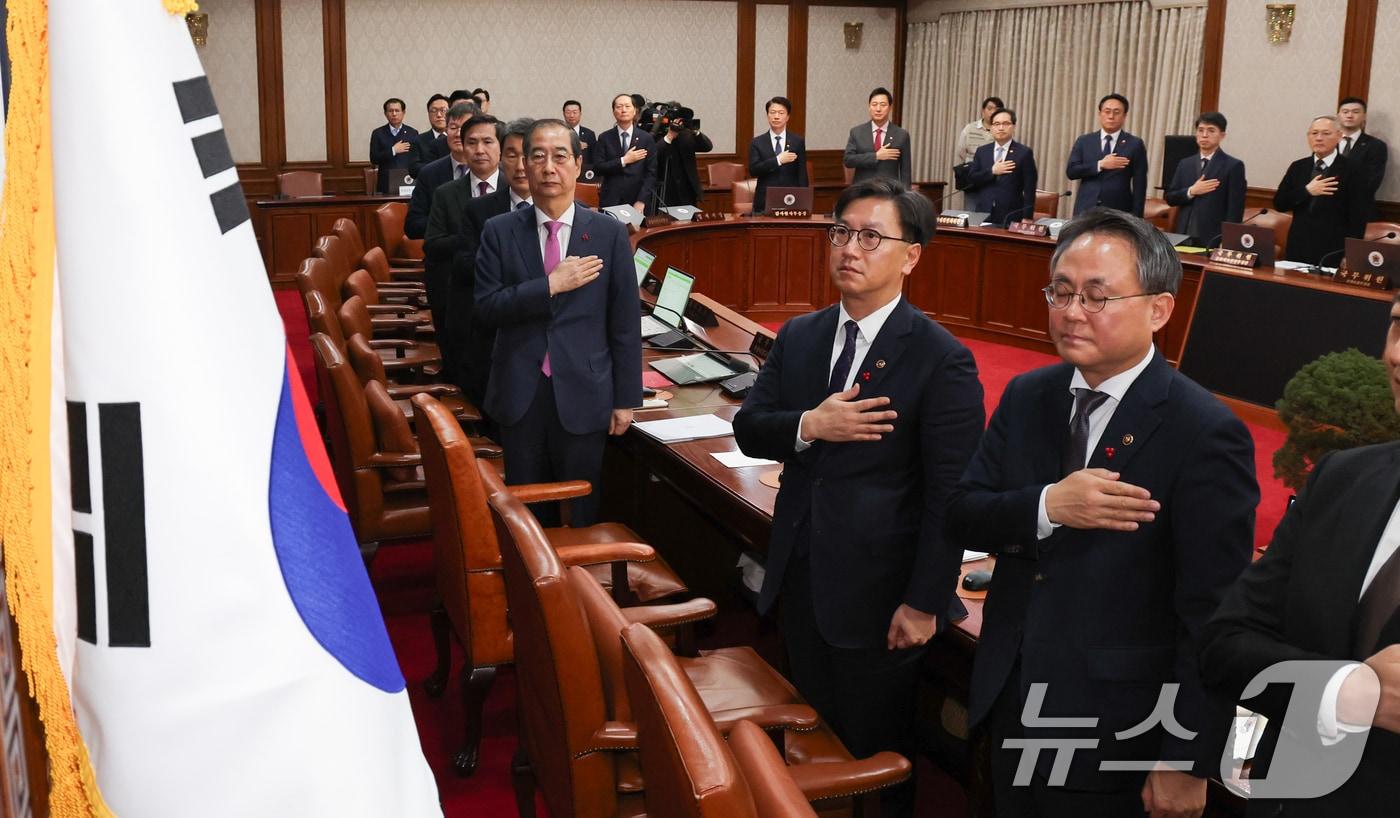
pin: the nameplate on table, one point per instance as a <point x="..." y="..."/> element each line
<point x="709" y="216"/>
<point x="1234" y="258"/>
<point x="959" y="220"/>
<point x="677" y="430"/>
<point x="1026" y="227"/>
<point x="1356" y="278"/>
<point x="790" y="213"/>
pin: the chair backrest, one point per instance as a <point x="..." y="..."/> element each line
<point x="377" y="264"/>
<point x="364" y="360"/>
<point x="349" y="232"/>
<point x="742" y="193"/>
<point x="350" y="432"/>
<point x="316" y="274"/>
<point x="362" y="284"/>
<point x="689" y="771"/>
<point x="587" y="192"/>
<point x="334" y="250"/>
<point x="390" y="426"/>
<point x="354" y="318"/>
<point x="297" y="183"/>
<point x="1159" y="213"/>
<point x="1279" y="222"/>
<point x="850" y="174"/>
<point x="467" y="556"/>
<point x="321" y="318"/>
<point x="371" y="180"/>
<point x="391" y="217"/>
<point x="1376" y="231"/>
<point x="1047" y="203"/>
<point x="605" y="622"/>
<point x="725" y="173"/>
<point x="561" y="696"/>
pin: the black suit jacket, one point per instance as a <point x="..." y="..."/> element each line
<point x="588" y="139"/>
<point x="1010" y="194"/>
<point x="1201" y="216"/>
<point x="624" y="185"/>
<point x="1122" y="189"/>
<point x="1299" y="602"/>
<point x="430" y="147"/>
<point x="677" y="177"/>
<point x="763" y="165"/>
<point x="442" y="240"/>
<point x="1321" y="224"/>
<point x="381" y="151"/>
<point x="1106" y="618"/>
<point x="1369" y="156"/>
<point x="870" y="513"/>
<point x="476" y="337"/>
<point x="430" y="176"/>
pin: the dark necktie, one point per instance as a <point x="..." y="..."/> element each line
<point x="1319" y="169"/>
<point x="777" y="145"/>
<point x="1075" y="454"/>
<point x="1107" y="144"/>
<point x="623" y="137"/>
<point x="1377" y="606"/>
<point x="522" y="204"/>
<point x="842" y="369"/>
<point x="1346" y="145"/>
<point x="1204" y="162"/>
<point x="461" y="171"/>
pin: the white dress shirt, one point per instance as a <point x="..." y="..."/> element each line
<point x="1115" y="387"/>
<point x="564" y="232"/>
<point x="783" y="136"/>
<point x="1326" y="160"/>
<point x="476" y="186"/>
<point x="867" y="329"/>
<point x="395" y="131"/>
<point x="1113" y="139"/>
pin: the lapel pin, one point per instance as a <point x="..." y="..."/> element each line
<point x="1127" y="440"/>
<point x="865" y="376"/>
<point x="880" y="364"/>
<point x="585" y="237"/>
<point x="1108" y="452"/>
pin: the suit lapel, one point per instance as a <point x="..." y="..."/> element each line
<point x="883" y="356"/>
<point x="579" y="240"/>
<point x="528" y="243"/>
<point x="815" y="363"/>
<point x="1355" y="542"/>
<point x="1055" y="405"/>
<point x="1135" y="419"/>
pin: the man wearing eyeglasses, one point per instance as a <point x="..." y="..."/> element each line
<point x="874" y="409"/>
<point x="1119" y="499"/>
<point x="556" y="281"/>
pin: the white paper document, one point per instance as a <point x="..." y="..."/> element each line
<point x="738" y="460"/>
<point x="674" y="430"/>
<point x="969" y="556"/>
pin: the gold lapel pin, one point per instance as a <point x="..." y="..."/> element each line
<point x="1127" y="440"/>
<point x="880" y="364"/>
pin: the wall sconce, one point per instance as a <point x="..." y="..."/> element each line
<point x="853" y="31"/>
<point x="198" y="22"/>
<point x="1280" y="21"/>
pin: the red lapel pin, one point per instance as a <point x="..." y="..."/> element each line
<point x="1108" y="452"/>
<point x="865" y="376"/>
<point x="585" y="237"/>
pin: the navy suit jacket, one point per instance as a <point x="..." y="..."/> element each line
<point x="1201" y="216"/>
<point x="430" y="177"/>
<point x="381" y="151"/>
<point x="589" y="139"/>
<point x="1322" y="224"/>
<point x="1105" y="618"/>
<point x="870" y="514"/>
<point x="1122" y="189"/>
<point x="624" y="185"/>
<point x="763" y="165"/>
<point x="1010" y="195"/>
<point x="593" y="334"/>
<point x="430" y="147"/>
<point x="1299" y="603"/>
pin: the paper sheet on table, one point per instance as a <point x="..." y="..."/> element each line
<point x="969" y="556"/>
<point x="738" y="460"/>
<point x="674" y="430"/>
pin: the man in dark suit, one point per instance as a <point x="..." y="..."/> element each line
<point x="1110" y="163"/>
<point x="1119" y="498"/>
<point x="879" y="147"/>
<point x="1326" y="195"/>
<point x="1326" y="594"/>
<point x="481" y="144"/>
<point x="777" y="158"/>
<point x="874" y="410"/>
<point x="432" y="143"/>
<point x="677" y="177"/>
<point x="473" y="339"/>
<point x="1003" y="173"/>
<point x="557" y="282"/>
<point x="1208" y="188"/>
<point x="624" y="159"/>
<point x="573" y="117"/>
<point x="440" y="171"/>
<point x="1364" y="151"/>
<point x="393" y="144"/>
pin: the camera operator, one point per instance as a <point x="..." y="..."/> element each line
<point x="678" y="139"/>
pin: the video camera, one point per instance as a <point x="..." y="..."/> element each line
<point x="661" y="116"/>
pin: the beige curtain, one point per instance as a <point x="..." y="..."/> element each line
<point x="1052" y="64"/>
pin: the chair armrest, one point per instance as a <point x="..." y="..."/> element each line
<point x="406" y="277"/>
<point x="394" y="323"/>
<point x="394" y="486"/>
<point x="603" y="553"/>
<point x="488" y="449"/>
<point x="612" y="736"/>
<point x="397" y="264"/>
<point x="843" y="779"/>
<point x="388" y="309"/>
<point x="395" y="460"/>
<point x="770" y="717"/>
<point x="544" y="492"/>
<point x="392" y="343"/>
<point x="660" y="617"/>
<point x="437" y="390"/>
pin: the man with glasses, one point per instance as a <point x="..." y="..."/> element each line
<point x="1003" y="173"/>
<point x="432" y="143"/>
<point x="1119" y="499"/>
<point x="556" y="281"/>
<point x="874" y="409"/>
<point x="1110" y="163"/>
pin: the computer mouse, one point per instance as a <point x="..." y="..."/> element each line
<point x="977" y="580"/>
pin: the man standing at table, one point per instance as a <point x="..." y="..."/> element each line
<point x="874" y="409"/>
<point x="573" y="117"/>
<point x="1207" y="189"/>
<point x="777" y="158"/>
<point x="1003" y="173"/>
<point x="625" y="159"/>
<point x="879" y="147"/>
<point x="557" y="282"/>
<point x="1365" y="151"/>
<point x="1110" y="163"/>
<point x="1327" y="196"/>
<point x="440" y="171"/>
<point x="432" y="143"/>
<point x="393" y="144"/>
<point x="978" y="132"/>
<point x="1119" y="498"/>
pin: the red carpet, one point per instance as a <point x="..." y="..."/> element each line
<point x="402" y="577"/>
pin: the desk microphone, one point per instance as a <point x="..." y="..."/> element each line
<point x="1031" y="206"/>
<point x="1218" y="236"/>
<point x="1317" y="268"/>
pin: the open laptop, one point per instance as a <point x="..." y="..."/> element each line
<point x="787" y="198"/>
<point x="1374" y="258"/>
<point x="667" y="315"/>
<point x="642" y="260"/>
<point x="399" y="179"/>
<point x="1250" y="239"/>
<point x="702" y="367"/>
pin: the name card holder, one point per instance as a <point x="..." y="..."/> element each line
<point x="789" y="213"/>
<point x="1234" y="258"/>
<point x="1026" y="227"/>
<point x="1369" y="281"/>
<point x="953" y="221"/>
<point x="708" y="216"/>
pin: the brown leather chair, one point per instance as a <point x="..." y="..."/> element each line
<point x="723" y="174"/>
<point x="1159" y="213"/>
<point x="382" y="506"/>
<point x="587" y="192"/>
<point x="369" y="366"/>
<point x="691" y="772"/>
<point x="371" y="180"/>
<point x="347" y="231"/>
<point x="742" y="193"/>
<point x="299" y="183"/>
<point x="468" y="564"/>
<point x="1376" y="231"/>
<point x="377" y="263"/>
<point x="402" y="251"/>
<point x="337" y="253"/>
<point x="1047" y="204"/>
<point x="354" y="317"/>
<point x="405" y="303"/>
<point x="399" y="355"/>
<point x="1279" y="221"/>
<point x="315" y="275"/>
<point x="849" y="173"/>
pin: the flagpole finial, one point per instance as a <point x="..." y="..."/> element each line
<point x="180" y="7"/>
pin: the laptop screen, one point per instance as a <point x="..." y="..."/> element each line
<point x="642" y="260"/>
<point x="675" y="291"/>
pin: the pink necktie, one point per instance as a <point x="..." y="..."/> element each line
<point x="879" y="138"/>
<point x="482" y="189"/>
<point x="551" y="260"/>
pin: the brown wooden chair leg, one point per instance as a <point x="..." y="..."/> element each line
<point x="523" y="778"/>
<point x="474" y="689"/>
<point x="442" y="640"/>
